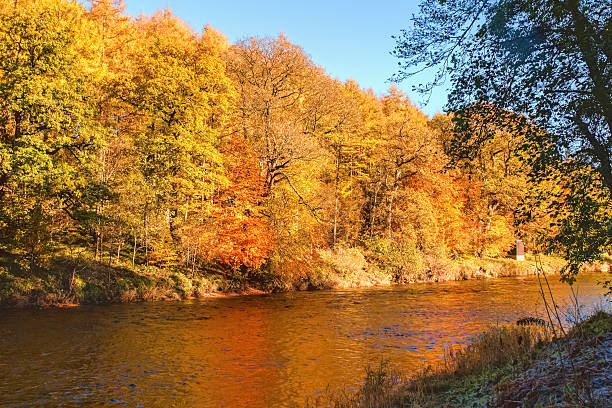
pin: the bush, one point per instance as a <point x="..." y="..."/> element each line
<point x="401" y="260"/>
<point x="346" y="267"/>
<point x="182" y="284"/>
<point x="78" y="288"/>
<point x="323" y="274"/>
<point x="384" y="254"/>
<point x="7" y="286"/>
<point x="496" y="346"/>
<point x="413" y="264"/>
<point x="92" y="293"/>
<point x="378" y="391"/>
<point x="341" y="267"/>
<point x="499" y="239"/>
<point x="206" y="284"/>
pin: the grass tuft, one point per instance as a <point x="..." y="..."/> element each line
<point x="505" y="366"/>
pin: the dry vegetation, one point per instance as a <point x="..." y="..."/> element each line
<point x="506" y="366"/>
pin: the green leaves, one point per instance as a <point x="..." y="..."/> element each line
<point x="48" y="133"/>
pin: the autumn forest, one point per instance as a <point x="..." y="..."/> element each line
<point x="139" y="157"/>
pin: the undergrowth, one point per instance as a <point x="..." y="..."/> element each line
<point x="505" y="366"/>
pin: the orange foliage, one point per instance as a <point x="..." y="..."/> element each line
<point x="236" y="233"/>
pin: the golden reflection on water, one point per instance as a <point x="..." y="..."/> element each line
<point x="258" y="351"/>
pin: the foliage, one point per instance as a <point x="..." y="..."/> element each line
<point x="48" y="137"/>
<point x="539" y="70"/>
<point x="141" y="159"/>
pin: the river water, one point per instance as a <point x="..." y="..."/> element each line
<point x="253" y="351"/>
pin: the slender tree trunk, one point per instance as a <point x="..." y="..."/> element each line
<point x="173" y="230"/>
<point x="101" y="252"/>
<point x="134" y="251"/>
<point x="335" y="221"/>
<point x="373" y="212"/>
<point x="146" y="235"/>
<point x="118" y="251"/>
<point x="337" y="198"/>
<point x="97" y="244"/>
<point x="389" y="217"/>
<point x="391" y="199"/>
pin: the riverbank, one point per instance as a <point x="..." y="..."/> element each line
<point x="66" y="282"/>
<point x="506" y="367"/>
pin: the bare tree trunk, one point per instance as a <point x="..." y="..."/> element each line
<point x="146" y="235"/>
<point x="373" y="212"/>
<point x="389" y="217"/>
<point x="97" y="244"/>
<point x="101" y="244"/>
<point x="391" y="199"/>
<point x="337" y="198"/>
<point x="335" y="220"/>
<point x="134" y="251"/>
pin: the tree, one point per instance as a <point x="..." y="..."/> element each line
<point x="48" y="135"/>
<point x="235" y="234"/>
<point x="285" y="106"/>
<point x="117" y="151"/>
<point x="548" y="63"/>
<point x="498" y="167"/>
<point x="351" y="144"/>
<point x="548" y="60"/>
<point x="409" y="145"/>
<point x="271" y="75"/>
<point x="177" y="90"/>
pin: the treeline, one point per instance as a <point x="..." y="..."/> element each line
<point x="140" y="144"/>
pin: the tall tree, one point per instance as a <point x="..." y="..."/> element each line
<point x="178" y="90"/>
<point x="271" y="75"/>
<point x="235" y="233"/>
<point x="48" y="137"/>
<point x="275" y="113"/>
<point x="547" y="60"/>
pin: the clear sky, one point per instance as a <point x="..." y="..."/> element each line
<point x="350" y="39"/>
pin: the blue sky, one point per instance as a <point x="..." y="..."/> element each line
<point x="350" y="39"/>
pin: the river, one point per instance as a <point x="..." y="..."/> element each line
<point x="252" y="351"/>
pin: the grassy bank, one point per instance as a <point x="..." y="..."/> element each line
<point x="68" y="279"/>
<point x="506" y="366"/>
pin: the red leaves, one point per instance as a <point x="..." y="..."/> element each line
<point x="237" y="233"/>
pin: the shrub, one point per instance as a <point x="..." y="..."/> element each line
<point x="342" y="266"/>
<point x="78" y="288"/>
<point x="499" y="238"/>
<point x="182" y="284"/>
<point x="323" y="273"/>
<point x="92" y="293"/>
<point x="379" y="390"/>
<point x="206" y="284"/>
<point x="497" y="345"/>
<point x="413" y="264"/>
<point x="384" y="254"/>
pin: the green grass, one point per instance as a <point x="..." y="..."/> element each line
<point x="64" y="280"/>
<point x="71" y="276"/>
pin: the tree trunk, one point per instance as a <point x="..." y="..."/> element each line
<point x="134" y="251"/>
<point x="391" y="199"/>
<point x="146" y="235"/>
<point x="373" y="212"/>
<point x="337" y="198"/>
